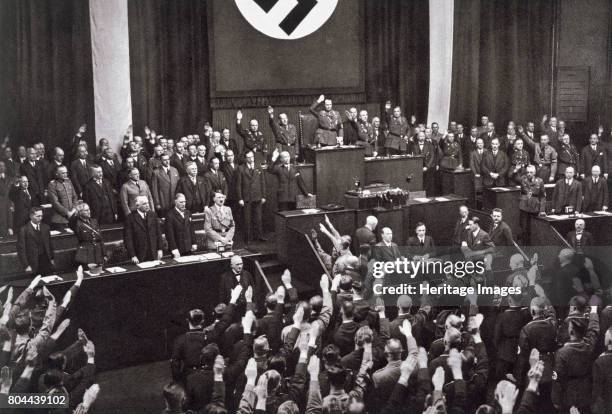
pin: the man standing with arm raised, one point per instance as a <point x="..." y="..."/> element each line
<point x="330" y="131"/>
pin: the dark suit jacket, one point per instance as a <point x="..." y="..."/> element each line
<point x="179" y="164"/>
<point x="476" y="161"/>
<point x="461" y="232"/>
<point x="589" y="158"/>
<point x="231" y="176"/>
<point x="215" y="182"/>
<point x="102" y="201"/>
<point x="250" y="184"/>
<point x="163" y="187"/>
<point x="467" y="146"/>
<point x="22" y="204"/>
<point x="31" y="244"/>
<point x="6" y="212"/>
<point x="502" y="235"/>
<point x="35" y="178"/>
<point x="595" y="195"/>
<point x="79" y="175"/>
<point x="567" y="196"/>
<point x="586" y="240"/>
<point x="228" y="282"/>
<point x="416" y="249"/>
<point x="196" y="196"/>
<point x="111" y="173"/>
<point x="497" y="164"/>
<point x="428" y="153"/>
<point x="364" y="235"/>
<point x="142" y="238"/>
<point x="382" y="253"/>
<point x="482" y="241"/>
<point x="289" y="182"/>
<point x="12" y="166"/>
<point x="487" y="140"/>
<point x="180" y="233"/>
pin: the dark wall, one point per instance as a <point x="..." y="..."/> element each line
<point x="583" y="41"/>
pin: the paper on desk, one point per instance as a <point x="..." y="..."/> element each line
<point x="227" y="254"/>
<point x="55" y="232"/>
<point x="310" y="210"/>
<point x="422" y="199"/>
<point x="556" y="217"/>
<point x="51" y="278"/>
<point x="69" y="231"/>
<point x="189" y="259"/>
<point x="115" y="269"/>
<point x="149" y="264"/>
<point x="605" y="213"/>
<point x="500" y="189"/>
<point x="211" y="256"/>
<point x="441" y="199"/>
<point x="93" y="274"/>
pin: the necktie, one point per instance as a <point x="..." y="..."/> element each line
<point x="38" y="227"/>
<point x="110" y="162"/>
<point x="595" y="180"/>
<point x="99" y="182"/>
<point x="27" y="193"/>
<point x="422" y="242"/>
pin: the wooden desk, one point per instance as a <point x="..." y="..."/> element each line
<point x="343" y="221"/>
<point x="506" y="198"/>
<point x="439" y="215"/>
<point x="271" y="206"/>
<point x="395" y="170"/>
<point x="459" y="182"/>
<point x="336" y="169"/>
<point x="134" y="317"/>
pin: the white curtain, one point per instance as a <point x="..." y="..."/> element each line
<point x="111" y="69"/>
<point x="441" y="18"/>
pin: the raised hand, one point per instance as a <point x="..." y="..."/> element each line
<point x="34" y="283"/>
<point x="248" y="294"/>
<point x="506" y="396"/>
<point x="270" y="110"/>
<point x="438" y="379"/>
<point x="251" y="371"/>
<point x="286" y="278"/>
<point x="280" y="294"/>
<point x="298" y="316"/>
<point x="247" y="322"/>
<point x="422" y="358"/>
<point x="321" y="98"/>
<point x="82" y="129"/>
<point x="534" y="357"/>
<point x="6" y="380"/>
<point x="388" y="105"/>
<point x="239" y="115"/>
<point x="314" y="366"/>
<point x="219" y="365"/>
<point x="324" y="283"/>
<point x="82" y="337"/>
<point x="31" y="353"/>
<point x="89" y="349"/>
<point x="90" y="396"/>
<point x="406" y="328"/>
<point x="261" y="390"/>
<point x="408" y="366"/>
<point x="454" y="362"/>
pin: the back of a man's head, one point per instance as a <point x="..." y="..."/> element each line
<point x="348" y="309"/>
<point x="208" y="355"/>
<point x="174" y="395"/>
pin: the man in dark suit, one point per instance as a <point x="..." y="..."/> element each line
<point x="214" y="178"/>
<point x="351" y="130"/>
<point x="580" y="238"/>
<point x="23" y="200"/>
<point x="289" y="182"/>
<point x="365" y="234"/>
<point x="476" y="158"/>
<point x="251" y="194"/>
<point x="32" y="169"/>
<point x="550" y="129"/>
<point x="478" y="242"/>
<point x="80" y="171"/>
<point x="236" y="276"/>
<point x="489" y="135"/>
<point x="180" y="233"/>
<point x="421" y="246"/>
<point x="194" y="189"/>
<point x="495" y="166"/>
<point x="12" y="166"/>
<point x="57" y="161"/>
<point x="501" y="234"/>
<point x="142" y="233"/>
<point x="468" y="144"/>
<point x="111" y="168"/>
<point x="386" y="250"/>
<point x="6" y="206"/>
<point x="594" y="154"/>
<point x="595" y="189"/>
<point x="462" y="227"/>
<point x="99" y="194"/>
<point x="163" y="186"/>
<point x="427" y="150"/>
<point x="229" y="168"/>
<point x="568" y="192"/>
<point x="177" y="160"/>
<point x="34" y="245"/>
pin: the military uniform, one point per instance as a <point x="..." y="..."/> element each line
<point x="330" y="126"/>
<point x="218" y="223"/>
<point x="91" y="243"/>
<point x="567" y="157"/>
<point x="366" y="138"/>
<point x="508" y="327"/>
<point x="397" y="133"/>
<point x="519" y="160"/>
<point x="286" y="136"/>
<point x="573" y="371"/>
<point x="186" y="353"/>
<point x="545" y="159"/>
<point x="253" y="141"/>
<point x="451" y="155"/>
<point x="532" y="202"/>
<point x="602" y="383"/>
<point x="63" y="198"/>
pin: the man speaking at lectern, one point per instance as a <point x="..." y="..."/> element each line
<point x="330" y="131"/>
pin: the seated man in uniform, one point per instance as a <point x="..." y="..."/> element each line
<point x="219" y="223"/>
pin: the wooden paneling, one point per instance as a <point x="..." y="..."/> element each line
<point x="572" y="93"/>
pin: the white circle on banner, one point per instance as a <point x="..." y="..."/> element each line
<point x="286" y="19"/>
